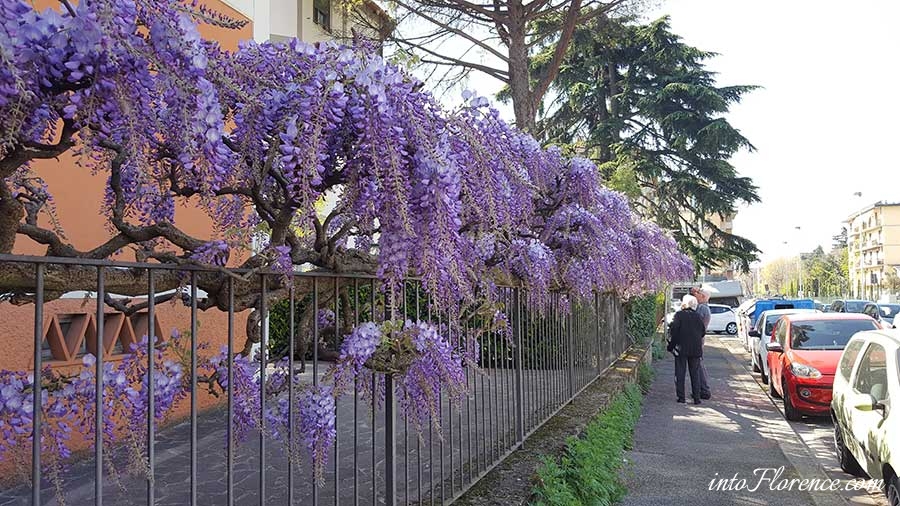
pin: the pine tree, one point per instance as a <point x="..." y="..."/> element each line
<point x="642" y="103"/>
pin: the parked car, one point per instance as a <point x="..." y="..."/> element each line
<point x="866" y="438"/>
<point x="871" y="310"/>
<point x="762" y="334"/>
<point x="750" y="313"/>
<point x="722" y="319"/>
<point x="849" y="305"/>
<point x="743" y="320"/>
<point x="803" y="356"/>
<point x="888" y="312"/>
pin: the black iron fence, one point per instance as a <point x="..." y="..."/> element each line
<point x="545" y="356"/>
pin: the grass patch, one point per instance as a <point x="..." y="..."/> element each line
<point x="658" y="349"/>
<point x="645" y="376"/>
<point x="588" y="472"/>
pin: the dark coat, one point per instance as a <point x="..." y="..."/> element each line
<point x="687" y="330"/>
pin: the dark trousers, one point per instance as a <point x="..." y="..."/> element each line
<point x="704" y="380"/>
<point x="684" y="365"/>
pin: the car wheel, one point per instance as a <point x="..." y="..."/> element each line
<point x="772" y="391"/>
<point x="755" y="364"/>
<point x="893" y="491"/>
<point x="790" y="412"/>
<point x="848" y="462"/>
<point x="731" y="328"/>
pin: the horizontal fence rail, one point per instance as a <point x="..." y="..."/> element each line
<point x="524" y="371"/>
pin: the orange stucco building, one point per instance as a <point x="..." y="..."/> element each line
<point x="69" y="324"/>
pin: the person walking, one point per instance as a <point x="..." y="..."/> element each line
<point x="702" y="295"/>
<point x="687" y="330"/>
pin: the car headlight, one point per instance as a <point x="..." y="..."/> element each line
<point x="805" y="371"/>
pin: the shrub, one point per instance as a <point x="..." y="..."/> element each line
<point x="641" y="317"/>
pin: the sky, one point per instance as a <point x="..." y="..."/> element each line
<point x="825" y="120"/>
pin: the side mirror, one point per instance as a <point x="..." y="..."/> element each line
<point x="774" y="347"/>
<point x="754" y="333"/>
<point x="866" y="402"/>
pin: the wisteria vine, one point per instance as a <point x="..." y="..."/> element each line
<point x="256" y="137"/>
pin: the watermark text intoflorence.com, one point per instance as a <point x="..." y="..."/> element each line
<point x="770" y="477"/>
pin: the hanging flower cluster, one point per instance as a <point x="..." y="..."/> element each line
<point x="68" y="403"/>
<point x="261" y="134"/>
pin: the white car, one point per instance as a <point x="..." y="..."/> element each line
<point x="722" y="319"/>
<point x="866" y="383"/>
<point x="743" y="321"/>
<point x="761" y="334"/>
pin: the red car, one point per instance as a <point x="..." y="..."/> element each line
<point x="803" y="355"/>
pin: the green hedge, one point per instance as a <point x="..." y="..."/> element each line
<point x="642" y="316"/>
<point x="589" y="471"/>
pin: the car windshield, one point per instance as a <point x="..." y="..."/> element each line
<point x="854" y="306"/>
<point x="770" y="323"/>
<point x="888" y="310"/>
<point x="826" y="334"/>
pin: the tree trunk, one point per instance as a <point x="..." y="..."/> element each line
<point x="11" y="211"/>
<point x="519" y="71"/>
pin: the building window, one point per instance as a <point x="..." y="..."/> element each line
<point x="322" y="13"/>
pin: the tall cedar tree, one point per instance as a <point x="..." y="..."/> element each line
<point x="641" y="102"/>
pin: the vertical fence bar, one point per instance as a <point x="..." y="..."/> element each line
<point x="98" y="394"/>
<point x="543" y="373"/>
<point x="193" y="388"/>
<point x="485" y="424"/>
<point x="450" y="419"/>
<point x="519" y="407"/>
<point x="37" y="386"/>
<point x="290" y="433"/>
<point x="337" y="425"/>
<point x="532" y="369"/>
<point x="356" y="405"/>
<point x="374" y="403"/>
<point x="492" y="403"/>
<point x="390" y="441"/>
<point x="315" y="364"/>
<point x="510" y="368"/>
<point x="431" y="484"/>
<point x="550" y="332"/>
<point x="151" y="397"/>
<point x="405" y="417"/>
<point x="419" y="436"/>
<point x="263" y="344"/>
<point x="507" y="352"/>
<point x="230" y="362"/>
<point x="570" y="332"/>
<point x="471" y="403"/>
<point x="599" y="340"/>
<point x="560" y="330"/>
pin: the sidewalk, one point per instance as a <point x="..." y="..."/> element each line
<point x="680" y="448"/>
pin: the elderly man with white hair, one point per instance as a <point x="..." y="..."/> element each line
<point x="686" y="331"/>
<point x="702" y="294"/>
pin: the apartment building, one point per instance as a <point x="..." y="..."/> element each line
<point x="873" y="254"/>
<point x="314" y="20"/>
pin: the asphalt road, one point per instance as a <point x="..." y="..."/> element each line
<point x="817" y="434"/>
<point x="686" y="454"/>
